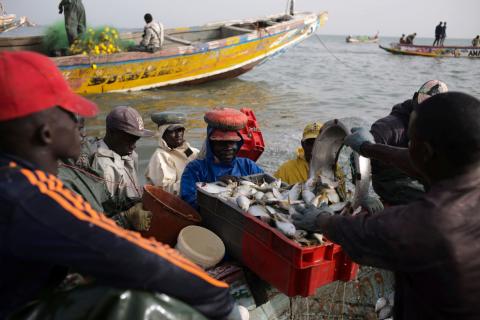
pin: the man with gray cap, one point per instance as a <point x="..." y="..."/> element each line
<point x="173" y="153"/>
<point x="114" y="156"/>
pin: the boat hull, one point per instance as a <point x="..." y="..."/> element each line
<point x="435" y="52"/>
<point x="213" y="60"/>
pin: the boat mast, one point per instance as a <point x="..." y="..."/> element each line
<point x="2" y="10"/>
<point x="292" y="6"/>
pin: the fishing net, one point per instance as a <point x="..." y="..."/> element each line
<point x="102" y="40"/>
<point x="55" y="38"/>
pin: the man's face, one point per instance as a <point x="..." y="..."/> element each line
<point x="307" y="146"/>
<point x="225" y="151"/>
<point x="124" y="143"/>
<point x="65" y="134"/>
<point x="174" y="138"/>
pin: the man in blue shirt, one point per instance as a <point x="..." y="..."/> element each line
<point x="217" y="161"/>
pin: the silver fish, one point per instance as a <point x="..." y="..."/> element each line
<point x="260" y="212"/>
<point x="211" y="188"/>
<point x="286" y="227"/>
<point x="320" y="238"/>
<point x="295" y="192"/>
<point x="243" y="202"/>
<point x="307" y="196"/>
<point x="333" y="196"/>
<point x="381" y="303"/>
<point x="248" y="183"/>
<point x="258" y="195"/>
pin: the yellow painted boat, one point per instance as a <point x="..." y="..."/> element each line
<point x="191" y="55"/>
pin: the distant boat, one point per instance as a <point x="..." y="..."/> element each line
<point x="9" y="21"/>
<point x="436" y="52"/>
<point x="362" y="39"/>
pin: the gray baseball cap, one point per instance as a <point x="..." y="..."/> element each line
<point x="128" y="120"/>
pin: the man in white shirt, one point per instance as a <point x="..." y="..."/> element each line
<point x="173" y="153"/>
<point x="153" y="34"/>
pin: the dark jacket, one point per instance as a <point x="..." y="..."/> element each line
<point x="391" y="184"/>
<point x="45" y="229"/>
<point x="206" y="170"/>
<point x="432" y="245"/>
<point x="438" y="30"/>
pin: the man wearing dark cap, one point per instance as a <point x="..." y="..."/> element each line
<point x="47" y="229"/>
<point x="115" y="157"/>
<point x="431" y="244"/>
<point x="173" y="153"/>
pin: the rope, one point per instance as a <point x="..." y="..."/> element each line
<point x="331" y="53"/>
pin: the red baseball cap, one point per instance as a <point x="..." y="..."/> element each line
<point x="222" y="135"/>
<point x="30" y="82"/>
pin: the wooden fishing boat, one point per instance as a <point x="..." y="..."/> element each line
<point x="191" y="55"/>
<point x="436" y="52"/>
<point x="362" y="39"/>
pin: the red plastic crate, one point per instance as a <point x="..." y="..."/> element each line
<point x="253" y="144"/>
<point x="291" y="268"/>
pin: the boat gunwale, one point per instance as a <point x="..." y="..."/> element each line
<point x="432" y="47"/>
<point x="186" y="50"/>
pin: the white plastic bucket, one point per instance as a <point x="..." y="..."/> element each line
<point x="201" y="246"/>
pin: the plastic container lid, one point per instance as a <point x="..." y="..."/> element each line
<point x="167" y="117"/>
<point x="226" y="119"/>
<point x="201" y="246"/>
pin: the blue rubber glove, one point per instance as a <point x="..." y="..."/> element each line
<point x="372" y="204"/>
<point x="311" y="218"/>
<point x="358" y="137"/>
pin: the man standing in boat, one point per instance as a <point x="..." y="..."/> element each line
<point x="75" y="19"/>
<point x="444" y="33"/>
<point x="438" y="34"/>
<point x="153" y="35"/>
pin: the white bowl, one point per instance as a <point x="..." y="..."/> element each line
<point x="201" y="246"/>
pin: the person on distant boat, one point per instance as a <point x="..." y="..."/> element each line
<point x="444" y="33"/>
<point x="438" y="34"/>
<point x="75" y="19"/>
<point x="396" y="182"/>
<point x="153" y="34"/>
<point x="173" y="153"/>
<point x="402" y="39"/>
<point x="476" y="41"/>
<point x="410" y="38"/>
<point x="218" y="159"/>
<point x="296" y="170"/>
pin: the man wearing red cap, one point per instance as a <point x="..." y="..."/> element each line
<point x="47" y="229"/>
<point x="218" y="160"/>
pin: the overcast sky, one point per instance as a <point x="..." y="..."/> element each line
<point x="356" y="17"/>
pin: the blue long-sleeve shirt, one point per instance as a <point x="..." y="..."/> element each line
<point x="206" y="170"/>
